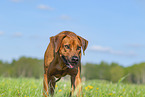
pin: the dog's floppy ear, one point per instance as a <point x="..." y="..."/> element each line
<point x="54" y="45"/>
<point x="49" y="54"/>
<point x="57" y="41"/>
<point x="84" y="43"/>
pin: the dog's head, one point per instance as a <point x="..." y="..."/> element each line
<point x="69" y="45"/>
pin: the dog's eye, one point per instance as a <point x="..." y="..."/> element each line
<point x="78" y="48"/>
<point x="67" y="46"/>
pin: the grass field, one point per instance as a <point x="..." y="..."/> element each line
<point x="24" y="87"/>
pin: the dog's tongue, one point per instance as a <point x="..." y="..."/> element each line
<point x="70" y="66"/>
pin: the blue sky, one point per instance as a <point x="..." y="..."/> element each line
<point x="115" y="29"/>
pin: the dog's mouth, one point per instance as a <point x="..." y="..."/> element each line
<point x="68" y="63"/>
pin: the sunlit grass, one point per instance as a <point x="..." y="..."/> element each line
<point x="25" y="87"/>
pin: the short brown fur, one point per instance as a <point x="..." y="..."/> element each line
<point x="64" y="45"/>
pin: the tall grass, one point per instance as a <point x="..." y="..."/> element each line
<point x="29" y="87"/>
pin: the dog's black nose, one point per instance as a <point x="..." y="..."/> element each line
<point x="75" y="59"/>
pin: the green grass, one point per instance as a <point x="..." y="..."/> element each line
<point x="24" y="87"/>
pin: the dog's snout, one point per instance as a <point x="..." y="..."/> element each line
<point x="75" y="59"/>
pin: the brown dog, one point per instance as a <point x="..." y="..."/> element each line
<point x="63" y="57"/>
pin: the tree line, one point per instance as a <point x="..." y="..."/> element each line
<point x="33" y="67"/>
<point x="114" y="72"/>
<point x="23" y="67"/>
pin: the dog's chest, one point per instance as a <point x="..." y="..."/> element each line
<point x="61" y="73"/>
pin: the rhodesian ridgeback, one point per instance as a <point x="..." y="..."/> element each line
<point x="63" y="57"/>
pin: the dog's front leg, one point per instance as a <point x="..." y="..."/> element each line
<point x="51" y="83"/>
<point x="45" y="86"/>
<point x="76" y="84"/>
<point x="72" y="84"/>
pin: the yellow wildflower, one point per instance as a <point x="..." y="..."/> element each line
<point x="90" y="87"/>
<point x="97" y="88"/>
<point x="59" y="90"/>
<point x="25" y="96"/>
<point x="121" y="96"/>
<point x="110" y="94"/>
<point x="86" y="88"/>
<point x="18" y="91"/>
<point x="56" y="86"/>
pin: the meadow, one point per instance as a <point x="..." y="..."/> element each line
<point x="29" y="87"/>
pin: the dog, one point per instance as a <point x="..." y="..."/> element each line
<point x="63" y="57"/>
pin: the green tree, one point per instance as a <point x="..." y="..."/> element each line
<point x="116" y="72"/>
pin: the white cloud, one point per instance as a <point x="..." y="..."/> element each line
<point x="1" y="32"/>
<point x="135" y="45"/>
<point x="109" y="50"/>
<point x="100" y="48"/>
<point x="65" y="17"/>
<point x="16" y="0"/>
<point x="45" y="7"/>
<point x="17" y="34"/>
